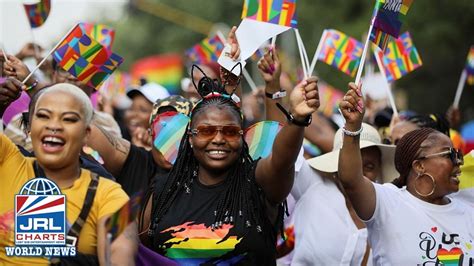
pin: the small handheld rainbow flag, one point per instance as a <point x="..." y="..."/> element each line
<point x="387" y="20"/>
<point x="168" y="129"/>
<point x="165" y="70"/>
<point x="208" y="50"/>
<point x="400" y="57"/>
<point x="280" y="12"/>
<point x="470" y="66"/>
<point x="116" y="84"/>
<point x="103" y="34"/>
<point x="341" y="51"/>
<point x="85" y="58"/>
<point x="38" y="13"/>
<point x="260" y="138"/>
<point x="329" y="98"/>
<point x="117" y="223"/>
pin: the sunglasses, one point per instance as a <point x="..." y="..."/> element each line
<point x="455" y="156"/>
<point x="208" y="132"/>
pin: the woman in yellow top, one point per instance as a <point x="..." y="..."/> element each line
<point x="59" y="129"/>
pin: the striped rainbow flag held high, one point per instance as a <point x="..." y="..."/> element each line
<point x="280" y="12"/>
<point x="387" y="20"/>
<point x="470" y="66"/>
<point x="168" y="129"/>
<point x="260" y="138"/>
<point x="165" y="70"/>
<point x="38" y="13"/>
<point x="400" y="57"/>
<point x="85" y="58"/>
<point x="208" y="50"/>
<point x="341" y="51"/>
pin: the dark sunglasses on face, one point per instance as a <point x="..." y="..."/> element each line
<point x="455" y="156"/>
<point x="208" y="132"/>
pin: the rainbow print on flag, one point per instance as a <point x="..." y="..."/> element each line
<point x="208" y="50"/>
<point x="470" y="66"/>
<point x="38" y="13"/>
<point x="103" y="34"/>
<point x="116" y="84"/>
<point x="341" y="51"/>
<point x="168" y="129"/>
<point x="260" y="138"/>
<point x="85" y="58"/>
<point x="116" y="223"/>
<point x="196" y="244"/>
<point x="451" y="257"/>
<point x="165" y="70"/>
<point x="280" y="12"/>
<point x="329" y="98"/>
<point x="400" y="57"/>
<point x="387" y="20"/>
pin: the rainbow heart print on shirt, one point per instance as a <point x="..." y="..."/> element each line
<point x="451" y="257"/>
<point x="260" y="137"/>
<point x="168" y="129"/>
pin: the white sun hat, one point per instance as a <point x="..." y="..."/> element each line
<point x="368" y="138"/>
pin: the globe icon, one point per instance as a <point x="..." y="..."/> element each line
<point x="40" y="186"/>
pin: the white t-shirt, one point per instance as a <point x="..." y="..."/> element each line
<point x="405" y="230"/>
<point x="324" y="231"/>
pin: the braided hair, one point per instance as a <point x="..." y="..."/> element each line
<point x="407" y="151"/>
<point x="241" y="200"/>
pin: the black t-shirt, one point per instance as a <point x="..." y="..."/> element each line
<point x="184" y="234"/>
<point x="138" y="170"/>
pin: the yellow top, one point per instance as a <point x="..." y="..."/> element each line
<point x="16" y="170"/>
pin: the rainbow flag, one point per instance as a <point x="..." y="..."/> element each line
<point x="387" y="20"/>
<point x="470" y="66"/>
<point x="85" y="58"/>
<point x="118" y="221"/>
<point x="196" y="244"/>
<point x="310" y="149"/>
<point x="329" y="97"/>
<point x="341" y="51"/>
<point x="165" y="70"/>
<point x="116" y="84"/>
<point x="168" y="130"/>
<point x="260" y="138"/>
<point x="280" y="12"/>
<point x="38" y="13"/>
<point x="400" y="57"/>
<point x="103" y="34"/>
<point x="208" y="50"/>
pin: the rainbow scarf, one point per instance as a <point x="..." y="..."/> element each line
<point x="280" y="12"/>
<point x="168" y="130"/>
<point x="38" y="13"/>
<point x="260" y="138"/>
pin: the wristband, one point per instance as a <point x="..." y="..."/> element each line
<point x="351" y="133"/>
<point x="32" y="85"/>
<point x="292" y="119"/>
<point x="277" y="95"/>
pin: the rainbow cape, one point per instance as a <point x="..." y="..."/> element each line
<point x="116" y="223"/>
<point x="400" y="57"/>
<point x="38" y="13"/>
<point x="168" y="129"/>
<point x="470" y="66"/>
<point x="387" y="20"/>
<point x="165" y="70"/>
<point x="341" y="51"/>
<point x="103" y="34"/>
<point x="208" y="50"/>
<point x="85" y="58"/>
<point x="260" y="138"/>
<point x="280" y="12"/>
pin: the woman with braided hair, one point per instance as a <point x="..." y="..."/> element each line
<point x="413" y="221"/>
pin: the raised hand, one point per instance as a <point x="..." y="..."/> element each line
<point x="352" y="107"/>
<point x="10" y="90"/>
<point x="304" y="99"/>
<point x="16" y="68"/>
<point x="270" y="67"/>
<point x="232" y="40"/>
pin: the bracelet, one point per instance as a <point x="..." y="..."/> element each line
<point x="351" y="133"/>
<point x="292" y="119"/>
<point x="277" y="95"/>
<point x="32" y="85"/>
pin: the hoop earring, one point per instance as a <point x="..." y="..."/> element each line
<point x="434" y="185"/>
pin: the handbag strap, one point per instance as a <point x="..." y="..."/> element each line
<point x="75" y="230"/>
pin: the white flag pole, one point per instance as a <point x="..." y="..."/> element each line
<point x="389" y="91"/>
<point x="462" y="81"/>
<point x="274" y="39"/>
<point x="302" y="57"/>
<point x="5" y="55"/>
<point x="364" y="54"/>
<point x="49" y="53"/>
<point x="316" y="54"/>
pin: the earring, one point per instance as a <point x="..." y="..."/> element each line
<point x="432" y="180"/>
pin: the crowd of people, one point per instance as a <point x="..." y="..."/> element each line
<point x="371" y="194"/>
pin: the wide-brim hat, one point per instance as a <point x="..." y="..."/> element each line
<point x="368" y="138"/>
